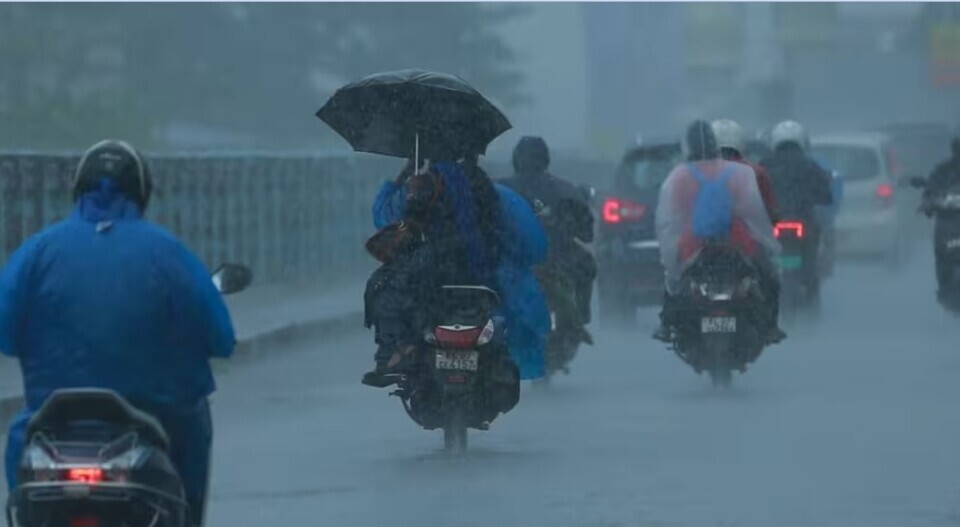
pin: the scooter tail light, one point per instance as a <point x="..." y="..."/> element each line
<point x="796" y="227"/>
<point x="457" y="336"/>
<point x="85" y="474"/>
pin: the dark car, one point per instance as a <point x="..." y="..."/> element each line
<point x="628" y="255"/>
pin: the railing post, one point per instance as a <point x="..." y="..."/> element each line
<point x="10" y="198"/>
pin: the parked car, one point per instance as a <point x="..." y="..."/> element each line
<point x="874" y="217"/>
<point x="628" y="255"/>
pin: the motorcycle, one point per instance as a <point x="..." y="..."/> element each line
<point x="567" y="330"/>
<point x="944" y="206"/>
<point x="719" y="327"/>
<point x="462" y="377"/>
<point x="799" y="273"/>
<point x="92" y="459"/>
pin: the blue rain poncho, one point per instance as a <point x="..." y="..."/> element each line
<point x="106" y="299"/>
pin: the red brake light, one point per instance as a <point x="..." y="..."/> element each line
<point x="85" y="475"/>
<point x="449" y="337"/>
<point x="621" y="210"/>
<point x="85" y="521"/>
<point x="795" y="226"/>
<point x="885" y="191"/>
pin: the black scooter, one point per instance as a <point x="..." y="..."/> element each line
<point x="720" y="318"/>
<point x="462" y="376"/>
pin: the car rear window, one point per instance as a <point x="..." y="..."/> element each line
<point x="851" y="162"/>
<point x="649" y="170"/>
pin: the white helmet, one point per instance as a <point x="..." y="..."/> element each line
<point x="789" y="132"/>
<point x="729" y="134"/>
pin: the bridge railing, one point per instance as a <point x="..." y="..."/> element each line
<point x="289" y="217"/>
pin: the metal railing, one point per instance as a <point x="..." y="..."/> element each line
<point x="289" y="217"/>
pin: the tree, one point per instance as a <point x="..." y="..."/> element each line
<point x="249" y="68"/>
<point x="58" y="89"/>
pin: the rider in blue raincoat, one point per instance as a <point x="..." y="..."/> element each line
<point x="106" y="299"/>
<point x="520" y="244"/>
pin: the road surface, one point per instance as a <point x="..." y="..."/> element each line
<point x="854" y="421"/>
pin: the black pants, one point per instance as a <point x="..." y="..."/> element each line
<point x="190" y="429"/>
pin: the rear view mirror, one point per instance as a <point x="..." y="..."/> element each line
<point x="232" y="278"/>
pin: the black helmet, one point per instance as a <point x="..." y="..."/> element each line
<point x="700" y="143"/>
<point x="531" y="155"/>
<point x="118" y="161"/>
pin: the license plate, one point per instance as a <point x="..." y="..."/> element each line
<point x="718" y="325"/>
<point x="458" y="360"/>
<point x="791" y="262"/>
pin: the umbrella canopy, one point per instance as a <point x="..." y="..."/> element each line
<point x="409" y="112"/>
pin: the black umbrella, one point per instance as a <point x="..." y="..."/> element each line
<point x="414" y="114"/>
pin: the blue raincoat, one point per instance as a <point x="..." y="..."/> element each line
<point x="523" y="245"/>
<point x="106" y="299"/>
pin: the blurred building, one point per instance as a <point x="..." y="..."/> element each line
<point x="653" y="67"/>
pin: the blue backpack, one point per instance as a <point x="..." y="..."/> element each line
<point x="713" y="208"/>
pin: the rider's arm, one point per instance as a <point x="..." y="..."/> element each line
<point x="15" y="281"/>
<point x="200" y="315"/>
<point x="939" y="179"/>
<point x="575" y="216"/>
<point x="822" y="189"/>
<point x="583" y="221"/>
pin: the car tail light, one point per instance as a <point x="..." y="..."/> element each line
<point x="795" y="226"/>
<point x="85" y="475"/>
<point x="457" y="336"/>
<point x="621" y="210"/>
<point x="884" y="191"/>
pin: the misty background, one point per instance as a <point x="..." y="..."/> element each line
<point x="850" y="422"/>
<point x="591" y="77"/>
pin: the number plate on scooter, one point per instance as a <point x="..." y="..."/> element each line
<point x="718" y="325"/>
<point x="458" y="360"/>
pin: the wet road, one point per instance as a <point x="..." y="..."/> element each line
<point x="854" y="421"/>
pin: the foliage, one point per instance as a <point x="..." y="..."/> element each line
<point x="74" y="73"/>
